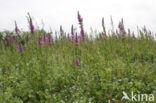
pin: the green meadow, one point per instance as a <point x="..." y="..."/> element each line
<point x="38" y="67"/>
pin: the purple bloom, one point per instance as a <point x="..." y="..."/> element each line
<point x="122" y="29"/>
<point x="80" y="20"/>
<point x="82" y="32"/>
<point x="77" y="62"/>
<point x="19" y="48"/>
<point x="10" y="39"/>
<point x="72" y="32"/>
<point x="16" y="28"/>
<point x="45" y="39"/>
<point x="76" y="40"/>
<point x="39" y="43"/>
<point x="31" y="26"/>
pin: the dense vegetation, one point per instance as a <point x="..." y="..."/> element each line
<point x="38" y="67"/>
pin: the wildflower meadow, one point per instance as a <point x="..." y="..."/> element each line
<point x="37" y="66"/>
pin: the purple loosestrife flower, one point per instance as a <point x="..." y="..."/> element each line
<point x="31" y="26"/>
<point x="19" y="48"/>
<point x="80" y="20"/>
<point x="76" y="39"/>
<point x="10" y="39"/>
<point x="82" y="34"/>
<point x="39" y="43"/>
<point x="72" y="32"/>
<point x="45" y="39"/>
<point x="122" y="29"/>
<point x="77" y="62"/>
<point x="16" y="28"/>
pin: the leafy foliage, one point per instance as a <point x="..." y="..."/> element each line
<point x="47" y="73"/>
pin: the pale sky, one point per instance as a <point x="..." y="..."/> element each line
<point x="64" y="12"/>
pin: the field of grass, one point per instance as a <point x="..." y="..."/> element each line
<point x="37" y="67"/>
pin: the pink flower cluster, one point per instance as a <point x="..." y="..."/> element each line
<point x="45" y="39"/>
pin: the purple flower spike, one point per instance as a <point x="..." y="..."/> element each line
<point x="31" y="26"/>
<point x="45" y="39"/>
<point x="19" y="48"/>
<point x="76" y="40"/>
<point x="10" y="39"/>
<point x="82" y="32"/>
<point x="80" y="20"/>
<point x="40" y="43"/>
<point x="77" y="62"/>
<point x="122" y="29"/>
<point x="16" y="28"/>
<point x="72" y="32"/>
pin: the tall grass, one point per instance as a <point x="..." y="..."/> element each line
<point x="37" y="67"/>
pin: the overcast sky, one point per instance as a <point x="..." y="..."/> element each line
<point x="64" y="12"/>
